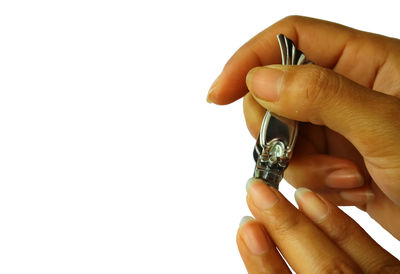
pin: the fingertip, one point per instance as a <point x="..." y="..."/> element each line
<point x="324" y="172"/>
<point x="344" y="178"/>
<point x="300" y="192"/>
<point x="249" y="77"/>
<point x="265" y="82"/>
<point x="254" y="236"/>
<point x="311" y="204"/>
<point x="245" y="220"/>
<point x="263" y="196"/>
<point x="209" y="97"/>
<point x="232" y="80"/>
<point x="211" y="93"/>
<point x="249" y="183"/>
<point x="257" y="250"/>
<point x="223" y="95"/>
<point x="359" y="195"/>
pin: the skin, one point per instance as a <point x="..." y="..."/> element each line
<point x="348" y="145"/>
<point x="311" y="241"/>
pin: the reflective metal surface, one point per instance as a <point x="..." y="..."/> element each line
<point x="277" y="136"/>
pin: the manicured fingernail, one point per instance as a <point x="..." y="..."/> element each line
<point x="265" y="82"/>
<point x="261" y="194"/>
<point x="249" y="183"/>
<point x="344" y="178"/>
<point x="357" y="195"/>
<point x="254" y="237"/>
<point x="311" y="204"/>
<point x="210" y="91"/>
<point x="209" y="96"/>
<point x="244" y="220"/>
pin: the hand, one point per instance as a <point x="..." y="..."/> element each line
<point x="319" y="239"/>
<point x="348" y="148"/>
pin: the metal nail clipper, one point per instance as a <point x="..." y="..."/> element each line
<point x="277" y="135"/>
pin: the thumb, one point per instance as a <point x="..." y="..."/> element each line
<point x="368" y="119"/>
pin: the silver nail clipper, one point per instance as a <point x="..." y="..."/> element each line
<point x="277" y="135"/>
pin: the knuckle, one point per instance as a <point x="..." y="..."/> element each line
<point x="294" y="20"/>
<point x="322" y="87"/>
<point x="320" y="84"/>
<point x="338" y="267"/>
<point x="341" y="231"/>
<point x="389" y="269"/>
<point x="285" y="223"/>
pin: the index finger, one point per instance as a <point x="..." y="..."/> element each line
<point x="305" y="247"/>
<point x="323" y="42"/>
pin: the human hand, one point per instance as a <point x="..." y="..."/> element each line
<point x="319" y="238"/>
<point x="348" y="148"/>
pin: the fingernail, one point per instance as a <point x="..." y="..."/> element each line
<point x="249" y="183"/>
<point x="311" y="204"/>
<point x="244" y="220"/>
<point x="254" y="237"/>
<point x="344" y="178"/>
<point x="357" y="195"/>
<point x="261" y="194"/>
<point x="210" y="91"/>
<point x="209" y="98"/>
<point x="265" y="82"/>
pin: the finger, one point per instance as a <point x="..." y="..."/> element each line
<point x="322" y="172"/>
<point x="382" y="209"/>
<point x="305" y="247"/>
<point x="345" y="232"/>
<point x="338" y="180"/>
<point x="257" y="250"/>
<point x="326" y="43"/>
<point x="358" y="197"/>
<point x="368" y="119"/>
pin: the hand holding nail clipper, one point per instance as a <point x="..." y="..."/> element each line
<point x="347" y="150"/>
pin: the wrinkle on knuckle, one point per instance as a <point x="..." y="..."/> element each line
<point x="318" y="82"/>
<point x="321" y="89"/>
<point x="284" y="223"/>
<point x="338" y="266"/>
<point x="388" y="269"/>
<point x="340" y="232"/>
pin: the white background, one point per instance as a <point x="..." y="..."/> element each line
<point x="111" y="161"/>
